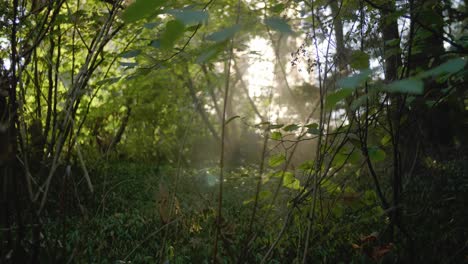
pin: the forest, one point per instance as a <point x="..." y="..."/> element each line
<point x="233" y="131"/>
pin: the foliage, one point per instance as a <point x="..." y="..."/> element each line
<point x="153" y="131"/>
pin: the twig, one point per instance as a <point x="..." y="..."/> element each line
<point x="223" y="135"/>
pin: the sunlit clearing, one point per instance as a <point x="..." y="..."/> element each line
<point x="259" y="74"/>
<point x="263" y="76"/>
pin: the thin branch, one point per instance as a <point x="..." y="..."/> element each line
<point x="223" y="134"/>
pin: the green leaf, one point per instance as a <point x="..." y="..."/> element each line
<point x="264" y="194"/>
<point x="430" y="103"/>
<point x="361" y="100"/>
<point x="359" y="60"/>
<point x="276" y="135"/>
<point x="307" y="165"/>
<point x="192" y="28"/>
<point x="261" y="196"/>
<point x="376" y="154"/>
<point x="330" y="187"/>
<point x="209" y="53"/>
<point x="275" y="174"/>
<point x="276" y="160"/>
<point x="334" y="98"/>
<point x="348" y="155"/>
<point x="410" y="86"/>
<point x="128" y="64"/>
<point x="108" y="81"/>
<point x="275" y="126"/>
<point x="354" y="158"/>
<point x="355" y="80"/>
<point x="291" y="127"/>
<point x="409" y="100"/>
<point x="206" y="56"/>
<point x="130" y="54"/>
<point x="155" y="43"/>
<point x="393" y="42"/>
<point x="291" y="182"/>
<point x="280" y="174"/>
<point x="224" y="34"/>
<point x="313" y="129"/>
<point x="295" y="185"/>
<point x="340" y="159"/>
<point x="278" y="24"/>
<point x="189" y="17"/>
<point x="338" y="210"/>
<point x="140" y="9"/>
<point x="246" y="202"/>
<point x="449" y="67"/>
<point x="151" y="25"/>
<point x="385" y="140"/>
<point x="277" y="8"/>
<point x="174" y="30"/>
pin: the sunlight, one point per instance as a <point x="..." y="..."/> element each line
<point x="263" y="75"/>
<point x="3" y="47"/>
<point x="260" y="72"/>
<point x="151" y="131"/>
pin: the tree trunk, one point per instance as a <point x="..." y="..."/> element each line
<point x="391" y="38"/>
<point x="392" y="55"/>
<point x="335" y="6"/>
<point x="427" y="46"/>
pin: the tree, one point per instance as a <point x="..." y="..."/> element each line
<point x="99" y="96"/>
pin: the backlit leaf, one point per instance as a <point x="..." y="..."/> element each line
<point x="276" y="135"/>
<point x="248" y="201"/>
<point x="291" y="182"/>
<point x="385" y="140"/>
<point x="291" y="127"/>
<point x="276" y="160"/>
<point x="313" y="129"/>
